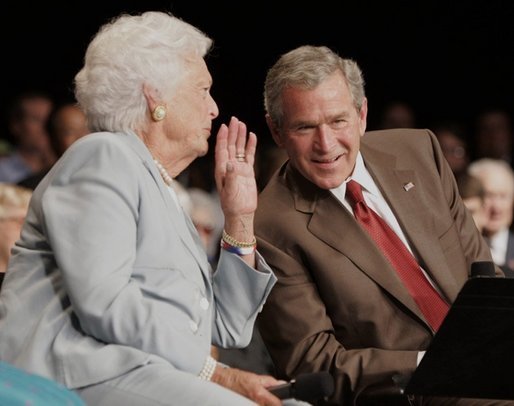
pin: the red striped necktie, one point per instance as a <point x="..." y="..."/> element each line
<point x="429" y="301"/>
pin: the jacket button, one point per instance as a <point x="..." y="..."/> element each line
<point x="193" y="326"/>
<point x="204" y="303"/>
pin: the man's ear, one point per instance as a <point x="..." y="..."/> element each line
<point x="363" y="115"/>
<point x="275" y="132"/>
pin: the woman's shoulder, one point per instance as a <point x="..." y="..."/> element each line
<point x="102" y="140"/>
<point x="106" y="145"/>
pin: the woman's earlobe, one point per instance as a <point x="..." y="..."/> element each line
<point x="159" y="113"/>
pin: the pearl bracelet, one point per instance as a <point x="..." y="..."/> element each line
<point x="208" y="369"/>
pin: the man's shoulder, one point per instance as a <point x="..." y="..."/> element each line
<point x="274" y="192"/>
<point x="397" y="133"/>
<point x="277" y="202"/>
<point x="397" y="139"/>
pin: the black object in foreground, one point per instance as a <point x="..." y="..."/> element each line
<point x="471" y="355"/>
<point x="482" y="269"/>
<point x="311" y="386"/>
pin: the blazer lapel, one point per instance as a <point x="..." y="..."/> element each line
<point x="404" y="195"/>
<point x="348" y="237"/>
<point x="333" y="224"/>
<point x="180" y="219"/>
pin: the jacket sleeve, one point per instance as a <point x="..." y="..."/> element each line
<point x="300" y="336"/>
<point x="239" y="293"/>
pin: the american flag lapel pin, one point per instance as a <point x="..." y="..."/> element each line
<point x="408" y="186"/>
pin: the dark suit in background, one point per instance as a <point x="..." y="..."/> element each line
<point x="508" y="268"/>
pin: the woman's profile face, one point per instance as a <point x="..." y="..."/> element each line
<point x="190" y="115"/>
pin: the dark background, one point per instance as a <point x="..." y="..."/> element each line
<point x="448" y="60"/>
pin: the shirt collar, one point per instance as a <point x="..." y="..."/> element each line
<point x="360" y="175"/>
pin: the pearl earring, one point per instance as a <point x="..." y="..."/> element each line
<point x="159" y="113"/>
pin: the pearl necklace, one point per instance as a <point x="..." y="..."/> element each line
<point x="164" y="173"/>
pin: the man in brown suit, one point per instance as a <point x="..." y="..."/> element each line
<point x="339" y="305"/>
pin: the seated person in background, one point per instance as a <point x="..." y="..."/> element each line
<point x="14" y="202"/>
<point x="472" y="193"/>
<point x="66" y="124"/>
<point x="208" y="219"/>
<point x="494" y="136"/>
<point x="27" y="122"/>
<point x="359" y="228"/>
<point x="497" y="178"/>
<point x="454" y="146"/>
<point x="397" y="114"/>
<point x="5" y="147"/>
<point x="109" y="290"/>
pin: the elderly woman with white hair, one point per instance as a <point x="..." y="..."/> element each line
<point x="109" y="290"/>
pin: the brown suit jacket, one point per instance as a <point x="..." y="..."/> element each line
<point x="338" y="304"/>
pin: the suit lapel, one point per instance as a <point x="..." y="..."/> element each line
<point x="332" y="223"/>
<point x="345" y="235"/>
<point x="405" y="196"/>
<point x="335" y="226"/>
<point x="180" y="220"/>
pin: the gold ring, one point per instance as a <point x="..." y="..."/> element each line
<point x="241" y="157"/>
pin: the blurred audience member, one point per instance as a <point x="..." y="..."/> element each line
<point x="208" y="219"/>
<point x="200" y="174"/>
<point x="183" y="195"/>
<point x="66" y="124"/>
<point x="398" y="114"/>
<point x="14" y="202"/>
<point x="27" y="126"/>
<point x="497" y="178"/>
<point x="454" y="146"/>
<point x="494" y="136"/>
<point x="473" y="196"/>
<point x="5" y="147"/>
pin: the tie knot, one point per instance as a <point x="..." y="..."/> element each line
<point x="354" y="193"/>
